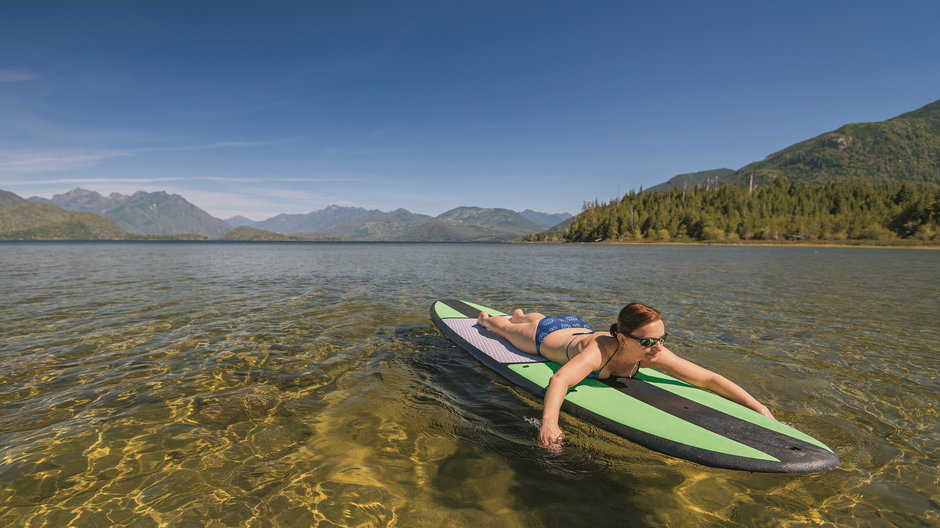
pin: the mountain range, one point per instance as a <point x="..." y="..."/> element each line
<point x="145" y="213"/>
<point x="904" y="148"/>
<point x="159" y="214"/>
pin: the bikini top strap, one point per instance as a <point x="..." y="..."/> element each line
<point x="608" y="359"/>
<point x="573" y="337"/>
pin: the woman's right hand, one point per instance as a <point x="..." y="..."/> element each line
<point x="550" y="436"/>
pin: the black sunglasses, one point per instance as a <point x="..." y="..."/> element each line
<point x="648" y="342"/>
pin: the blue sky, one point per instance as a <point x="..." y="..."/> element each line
<point x="265" y="107"/>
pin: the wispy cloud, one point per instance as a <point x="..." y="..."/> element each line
<point x="11" y="76"/>
<point x="220" y="179"/>
<point x="375" y="151"/>
<point x="19" y="162"/>
<point x="220" y="144"/>
<point x="66" y="159"/>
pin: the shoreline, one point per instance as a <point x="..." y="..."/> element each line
<point x="770" y="243"/>
<point x="738" y="243"/>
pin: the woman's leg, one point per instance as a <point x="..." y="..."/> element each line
<point x="521" y="334"/>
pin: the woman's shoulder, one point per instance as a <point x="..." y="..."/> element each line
<point x="595" y="339"/>
<point x="604" y="343"/>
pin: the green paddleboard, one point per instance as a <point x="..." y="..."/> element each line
<point x="651" y="409"/>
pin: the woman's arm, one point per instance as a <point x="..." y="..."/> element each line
<point x="569" y="374"/>
<point x="699" y="376"/>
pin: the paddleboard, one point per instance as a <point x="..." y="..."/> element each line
<point x="652" y="409"/>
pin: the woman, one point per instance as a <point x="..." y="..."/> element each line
<point x="634" y="341"/>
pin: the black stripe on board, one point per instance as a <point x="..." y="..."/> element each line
<point x="785" y="448"/>
<point x="462" y="307"/>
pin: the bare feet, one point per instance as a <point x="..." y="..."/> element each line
<point x="484" y="320"/>
<point x="518" y="317"/>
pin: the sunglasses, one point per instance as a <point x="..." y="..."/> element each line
<point x="648" y="342"/>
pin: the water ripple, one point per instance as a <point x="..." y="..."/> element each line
<point x="177" y="384"/>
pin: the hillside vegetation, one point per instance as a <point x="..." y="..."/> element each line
<point x="904" y="148"/>
<point x="833" y="211"/>
<point x="863" y="181"/>
<point x="8" y="199"/>
<point x="247" y="233"/>
<point x="706" y="178"/>
<point x="38" y="221"/>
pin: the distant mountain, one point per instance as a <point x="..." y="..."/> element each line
<point x="382" y="226"/>
<point x="546" y="219"/>
<point x="79" y="199"/>
<point x="462" y="224"/>
<point x="475" y="224"/>
<point x="155" y="213"/>
<point x="406" y="216"/>
<point x="8" y="199"/>
<point x="239" y="221"/>
<point x="316" y="221"/>
<point x="356" y="223"/>
<point x="159" y="214"/>
<point x="40" y="221"/>
<point x="500" y="218"/>
<point x="693" y="179"/>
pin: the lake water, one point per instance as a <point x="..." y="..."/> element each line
<point x="214" y="384"/>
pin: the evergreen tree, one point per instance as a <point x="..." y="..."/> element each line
<point x="836" y="210"/>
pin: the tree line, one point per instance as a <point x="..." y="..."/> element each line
<point x="841" y="210"/>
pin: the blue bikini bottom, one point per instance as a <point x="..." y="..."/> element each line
<point x="547" y="325"/>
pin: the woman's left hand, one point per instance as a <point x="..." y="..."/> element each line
<point x="765" y="411"/>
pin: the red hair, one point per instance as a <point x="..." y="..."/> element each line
<point x="633" y="316"/>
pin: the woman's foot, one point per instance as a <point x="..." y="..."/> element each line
<point x="484" y="320"/>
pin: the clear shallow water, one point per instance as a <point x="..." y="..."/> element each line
<point x="208" y="384"/>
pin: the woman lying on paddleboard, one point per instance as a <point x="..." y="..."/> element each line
<point x="634" y="341"/>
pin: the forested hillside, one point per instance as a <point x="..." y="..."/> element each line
<point x="904" y="148"/>
<point x="839" y="210"/>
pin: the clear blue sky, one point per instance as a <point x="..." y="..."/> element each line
<point x="265" y="107"/>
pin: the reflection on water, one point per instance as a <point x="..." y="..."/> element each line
<point x="202" y="384"/>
